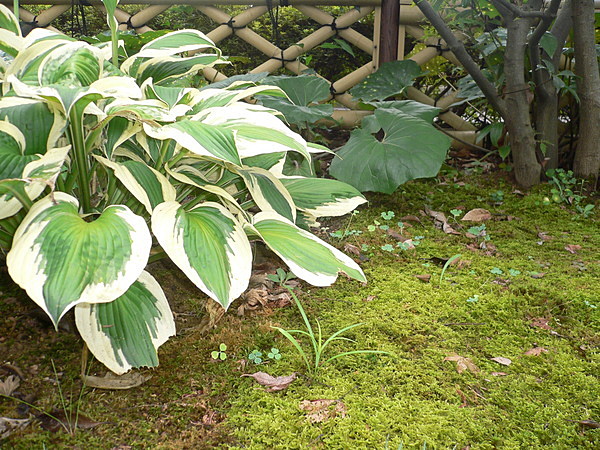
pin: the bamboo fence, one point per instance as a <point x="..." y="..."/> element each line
<point x="410" y="24"/>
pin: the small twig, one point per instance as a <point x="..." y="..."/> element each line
<point x="462" y="141"/>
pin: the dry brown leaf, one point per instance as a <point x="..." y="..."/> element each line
<point x="424" y="278"/>
<point x="437" y="215"/>
<point x="370" y="298"/>
<point x="318" y="411"/>
<point x="446" y="228"/>
<point x="540" y="322"/>
<point x="280" y="300"/>
<point x="410" y="218"/>
<point x="252" y="300"/>
<point x="477" y="215"/>
<point x="118" y="382"/>
<point x="8" y="426"/>
<point x="394" y="234"/>
<point x="544" y="236"/>
<point x="536" y="351"/>
<point x="498" y="374"/>
<point x="272" y="384"/>
<point x="462" y="363"/>
<point x="502" y="360"/>
<point x="572" y="248"/>
<point x="586" y="423"/>
<point x="349" y="248"/>
<point x="9" y="385"/>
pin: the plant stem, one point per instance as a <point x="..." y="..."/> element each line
<point x="81" y="161"/>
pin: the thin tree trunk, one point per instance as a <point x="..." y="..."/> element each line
<point x="518" y="121"/>
<point x="587" y="156"/>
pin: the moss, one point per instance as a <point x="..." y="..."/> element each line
<point x="412" y="397"/>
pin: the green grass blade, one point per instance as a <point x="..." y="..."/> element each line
<point x="296" y="344"/>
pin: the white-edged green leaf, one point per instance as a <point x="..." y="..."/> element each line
<point x="126" y="333"/>
<point x="208" y="245"/>
<point x="176" y="42"/>
<point x="214" y="141"/>
<point x="268" y="192"/>
<point x="146" y="184"/>
<point x="8" y="21"/>
<point x="10" y="43"/>
<point x="74" y="64"/>
<point x="212" y="97"/>
<point x="168" y="67"/>
<point x="307" y="256"/>
<point x="62" y="260"/>
<point x="37" y="174"/>
<point x="322" y="196"/>
<point x="257" y="129"/>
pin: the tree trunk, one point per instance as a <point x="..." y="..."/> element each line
<point x="518" y="121"/>
<point x="587" y="156"/>
<point x="547" y="99"/>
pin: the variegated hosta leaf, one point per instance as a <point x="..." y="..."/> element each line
<point x="323" y="197"/>
<point x="147" y="185"/>
<point x="27" y="63"/>
<point x="167" y="67"/>
<point x="41" y="126"/>
<point x="199" y="138"/>
<point x="170" y="44"/>
<point x="268" y="192"/>
<point x="126" y="333"/>
<point x="307" y="256"/>
<point x="75" y="64"/>
<point x="40" y="171"/>
<point x="8" y="21"/>
<point x="62" y="260"/>
<point x="210" y="97"/>
<point x="208" y="245"/>
<point x="10" y="43"/>
<point x="257" y="129"/>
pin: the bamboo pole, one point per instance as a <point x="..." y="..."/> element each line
<point x="455" y="121"/>
<point x="350" y="35"/>
<point x="401" y="41"/>
<point x="376" y="36"/>
<point x="27" y="16"/>
<point x="241" y="20"/>
<point x="372" y="3"/>
<point x="122" y="17"/>
<point x="141" y="18"/>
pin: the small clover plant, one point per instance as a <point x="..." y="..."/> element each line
<point x="274" y="354"/>
<point x="219" y="354"/>
<point x="255" y="356"/>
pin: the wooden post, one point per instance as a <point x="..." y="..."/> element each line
<point x="388" y="39"/>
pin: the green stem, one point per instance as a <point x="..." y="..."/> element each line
<point x="16" y="9"/>
<point x="82" y="167"/>
<point x="157" y="256"/>
<point x="164" y="147"/>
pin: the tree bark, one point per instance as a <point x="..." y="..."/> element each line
<point x="518" y="122"/>
<point x="587" y="155"/>
<point x="545" y="111"/>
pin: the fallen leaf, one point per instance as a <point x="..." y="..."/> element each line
<point x="498" y="374"/>
<point x="253" y="299"/>
<point x="572" y="248"/>
<point x="477" y="215"/>
<point x="272" y="384"/>
<point x="349" y="248"/>
<point x="370" y="298"/>
<point x="537" y="275"/>
<point x="8" y="426"/>
<point x="319" y="411"/>
<point x="502" y="360"/>
<point x="58" y="419"/>
<point x="586" y="423"/>
<point x="118" y="382"/>
<point x="446" y="228"/>
<point x="394" y="234"/>
<point x="410" y="218"/>
<point x="424" y="278"/>
<point x="536" y="351"/>
<point x="544" y="237"/>
<point x="9" y="385"/>
<point x="462" y="363"/>
<point x="540" y="322"/>
<point x="463" y="397"/>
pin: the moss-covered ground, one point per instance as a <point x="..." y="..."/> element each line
<point x="533" y="287"/>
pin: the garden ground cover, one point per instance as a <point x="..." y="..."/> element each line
<point x="524" y="289"/>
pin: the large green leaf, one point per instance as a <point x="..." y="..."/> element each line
<point x="126" y="333"/>
<point x="268" y="192"/>
<point x="392" y="78"/>
<point x="323" y="197"/>
<point x="257" y="129"/>
<point x="214" y="141"/>
<point x="62" y="260"/>
<point x="208" y="245"/>
<point x="410" y="148"/>
<point x="74" y="64"/>
<point x="306" y="255"/>
<point x="304" y="92"/>
<point x="37" y="173"/>
<point x="147" y="185"/>
<point x="409" y="107"/>
<point x="8" y="21"/>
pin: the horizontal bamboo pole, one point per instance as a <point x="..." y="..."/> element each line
<point x="455" y="121"/>
<point x="241" y="20"/>
<point x="207" y="2"/>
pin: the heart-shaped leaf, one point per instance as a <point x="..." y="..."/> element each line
<point x="62" y="260"/>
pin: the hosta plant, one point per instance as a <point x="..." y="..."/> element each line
<point x="106" y="167"/>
